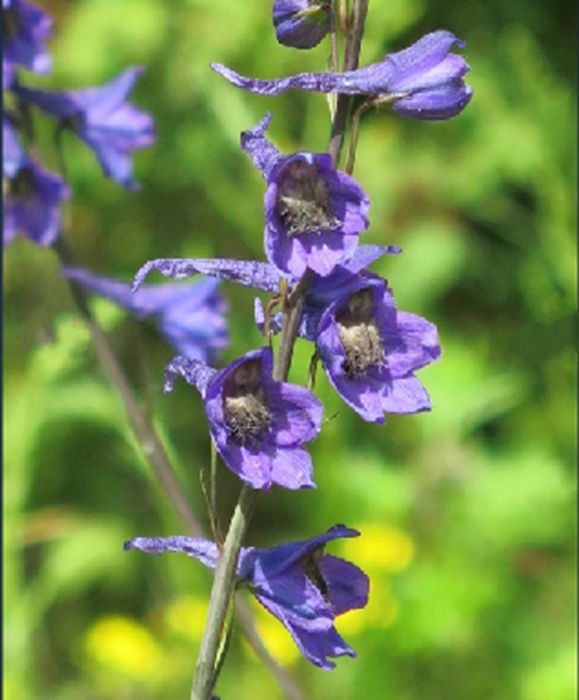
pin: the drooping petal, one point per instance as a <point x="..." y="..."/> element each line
<point x="261" y="151"/>
<point x="348" y="585"/>
<point x="195" y="547"/>
<point x="248" y="273"/>
<point x="423" y="81"/>
<point x="194" y="372"/>
<point x="319" y="646"/>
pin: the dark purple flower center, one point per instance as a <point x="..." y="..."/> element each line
<point x="310" y="565"/>
<point x="303" y="199"/>
<point x="247" y="414"/>
<point x="22" y="186"/>
<point x="360" y="335"/>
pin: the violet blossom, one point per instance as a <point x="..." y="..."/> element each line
<point x="190" y="316"/>
<point x="370" y="351"/>
<point x="25" y="29"/>
<point x="301" y="23"/>
<point x="423" y="81"/>
<point x="103" y="119"/>
<point x="33" y="195"/>
<point x="314" y="213"/>
<point x="258" y="425"/>
<point x="305" y="588"/>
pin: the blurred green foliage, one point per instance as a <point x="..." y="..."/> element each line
<point x="469" y="508"/>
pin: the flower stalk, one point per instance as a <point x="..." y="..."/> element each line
<point x="224" y="581"/>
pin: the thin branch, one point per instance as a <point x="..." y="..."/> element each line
<point x="351" y="58"/>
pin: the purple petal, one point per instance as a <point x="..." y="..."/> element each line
<point x="291" y="467"/>
<point x="191" y="316"/>
<point x="424" y="80"/>
<point x="252" y="464"/>
<point x="366" y="254"/>
<point x="262" y="152"/>
<point x="101" y="118"/>
<point x="315" y="644"/>
<point x="195" y="372"/>
<point x="276" y="560"/>
<point x="32" y="205"/>
<point x="275" y="321"/>
<point x="195" y="547"/>
<point x="26" y="28"/>
<point x="248" y="273"/>
<point x="300" y="24"/>
<point x="406" y="395"/>
<point x="298" y="414"/>
<point x="420" y="344"/>
<point x="13" y="157"/>
<point x="348" y="585"/>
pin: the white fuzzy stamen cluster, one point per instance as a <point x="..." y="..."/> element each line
<point x="360" y="335"/>
<point x="303" y="200"/>
<point x="244" y="402"/>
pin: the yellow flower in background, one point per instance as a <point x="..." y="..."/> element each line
<point x="279" y="642"/>
<point x="122" y="645"/>
<point x="186" y="616"/>
<point x="380" y="548"/>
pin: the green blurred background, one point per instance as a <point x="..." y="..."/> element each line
<point x="468" y="511"/>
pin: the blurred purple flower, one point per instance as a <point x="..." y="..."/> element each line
<point x="13" y="156"/>
<point x="297" y="582"/>
<point x="33" y="195"/>
<point x="314" y="213"/>
<point x="300" y="23"/>
<point x="103" y="119"/>
<point x="25" y="29"/>
<point x="423" y="81"/>
<point x="258" y="424"/>
<point x="370" y="351"/>
<point x="190" y="316"/>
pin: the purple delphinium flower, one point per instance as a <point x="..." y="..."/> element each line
<point x="258" y="424"/>
<point x="314" y="213"/>
<point x="25" y="29"/>
<point x="103" y="119"/>
<point x="265" y="276"/>
<point x="190" y="316"/>
<point x="370" y="351"/>
<point x="423" y="81"/>
<point x="305" y="588"/>
<point x="33" y="195"/>
<point x="300" y="23"/>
